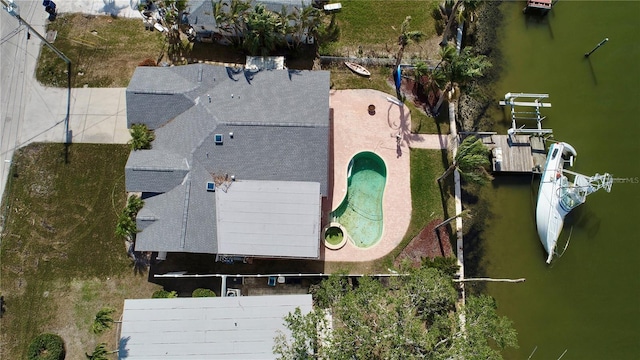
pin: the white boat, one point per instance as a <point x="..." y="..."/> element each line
<point x="557" y="196"/>
<point x="357" y="68"/>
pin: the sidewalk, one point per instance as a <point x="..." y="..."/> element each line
<point x="428" y="141"/>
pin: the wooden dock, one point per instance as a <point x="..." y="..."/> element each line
<point x="516" y="153"/>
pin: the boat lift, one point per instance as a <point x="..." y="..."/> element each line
<point x="511" y="99"/>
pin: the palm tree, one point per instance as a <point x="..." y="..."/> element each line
<point x="126" y="226"/>
<point x="286" y="18"/>
<point x="306" y="25"/>
<point x="450" y="18"/>
<point x="419" y="72"/>
<point x="437" y="76"/>
<point x="461" y="10"/>
<point x="311" y="21"/>
<point x="134" y="204"/>
<point x="472" y="161"/>
<point x="460" y="69"/>
<point x="102" y="321"/>
<point x="264" y="31"/>
<point x="406" y="36"/>
<point x="141" y="137"/>
<point x="469" y="10"/>
<point x="100" y="352"/>
<point x="230" y="17"/>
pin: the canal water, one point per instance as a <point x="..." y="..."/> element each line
<point x="587" y="302"/>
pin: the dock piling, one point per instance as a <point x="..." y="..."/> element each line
<point x="596" y="48"/>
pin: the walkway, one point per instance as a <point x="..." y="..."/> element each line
<point x="355" y="130"/>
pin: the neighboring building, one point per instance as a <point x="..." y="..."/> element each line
<point x="206" y="328"/>
<point x="199" y="15"/>
<point x="240" y="161"/>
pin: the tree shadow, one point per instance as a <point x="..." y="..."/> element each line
<point x="111" y="8"/>
<point x="141" y="262"/>
<point x="123" y="351"/>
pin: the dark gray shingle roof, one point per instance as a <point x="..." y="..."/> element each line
<point x="290" y="153"/>
<point x="154" y="171"/>
<point x="280" y="121"/>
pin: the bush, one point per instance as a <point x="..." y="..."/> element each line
<point x="46" y="347"/>
<point x="200" y="292"/>
<point x="141" y="137"/>
<point x="103" y="320"/>
<point x="164" y="294"/>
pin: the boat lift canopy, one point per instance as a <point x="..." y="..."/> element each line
<point x="510" y="99"/>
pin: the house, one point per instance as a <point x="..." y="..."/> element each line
<point x="239" y="165"/>
<point x="199" y="15"/>
<point x="206" y="328"/>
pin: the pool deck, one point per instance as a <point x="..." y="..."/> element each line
<point x="355" y="130"/>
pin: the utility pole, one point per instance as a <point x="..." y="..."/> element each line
<point x="13" y="10"/>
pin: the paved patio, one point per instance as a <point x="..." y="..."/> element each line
<point x="355" y="130"/>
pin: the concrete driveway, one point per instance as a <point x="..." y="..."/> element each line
<point x="30" y="112"/>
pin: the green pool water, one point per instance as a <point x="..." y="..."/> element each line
<point x="360" y="213"/>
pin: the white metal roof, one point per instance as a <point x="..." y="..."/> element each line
<point x="206" y="328"/>
<point x="269" y="219"/>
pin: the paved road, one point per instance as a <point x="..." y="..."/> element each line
<point x="30" y="112"/>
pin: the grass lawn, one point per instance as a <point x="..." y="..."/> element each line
<point x="104" y="51"/>
<point x="373" y="27"/>
<point x="60" y="260"/>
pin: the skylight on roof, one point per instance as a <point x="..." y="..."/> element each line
<point x="217" y="138"/>
<point x="211" y="186"/>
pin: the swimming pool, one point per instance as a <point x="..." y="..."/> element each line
<point x="360" y="212"/>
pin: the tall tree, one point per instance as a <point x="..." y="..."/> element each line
<point x="306" y="23"/>
<point x="460" y="70"/>
<point x="472" y="161"/>
<point x="406" y="36"/>
<point x="468" y="10"/>
<point x="265" y="30"/>
<point x="231" y="16"/>
<point x="419" y="72"/>
<point x="413" y="317"/>
<point x="451" y="8"/>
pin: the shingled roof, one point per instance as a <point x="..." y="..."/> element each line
<point x="273" y="125"/>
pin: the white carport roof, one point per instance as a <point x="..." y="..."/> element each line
<point x="269" y="219"/>
<point x="206" y="328"/>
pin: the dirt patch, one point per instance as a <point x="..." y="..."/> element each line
<point x="78" y="301"/>
<point x="426" y="244"/>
